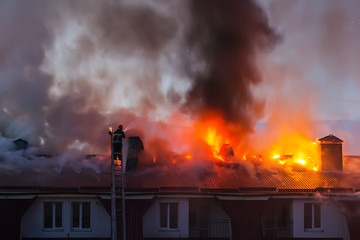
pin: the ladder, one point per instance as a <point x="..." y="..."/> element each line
<point x="119" y="200"/>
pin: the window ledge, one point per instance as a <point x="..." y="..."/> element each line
<point x="81" y="229"/>
<point x="53" y="229"/>
<point x="169" y="230"/>
<point x="314" y="230"/>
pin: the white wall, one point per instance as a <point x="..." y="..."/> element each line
<point x="32" y="220"/>
<point x="333" y="222"/>
<point x="151" y="220"/>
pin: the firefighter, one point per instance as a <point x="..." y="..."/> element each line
<point x="117" y="142"/>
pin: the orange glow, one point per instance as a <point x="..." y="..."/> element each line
<point x="117" y="161"/>
<point x="214" y="134"/>
<point x="302" y="162"/>
<point x="296" y="149"/>
<point x="281" y="144"/>
<point x="188" y="157"/>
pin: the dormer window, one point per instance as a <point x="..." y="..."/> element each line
<point x="312" y="216"/>
<point x="169" y="215"/>
<point x="52" y="215"/>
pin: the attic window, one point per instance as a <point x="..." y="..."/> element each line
<point x="312" y="216"/>
<point x="80" y="215"/>
<point x="52" y="215"/>
<point x="169" y="215"/>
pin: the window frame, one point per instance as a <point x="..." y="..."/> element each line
<point x="316" y="222"/>
<point x="53" y="216"/>
<point x="80" y="228"/>
<point x="169" y="219"/>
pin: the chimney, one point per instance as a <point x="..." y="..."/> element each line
<point x="135" y="148"/>
<point x="331" y="153"/>
<point x="20" y="144"/>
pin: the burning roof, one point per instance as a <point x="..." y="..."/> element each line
<point x="177" y="179"/>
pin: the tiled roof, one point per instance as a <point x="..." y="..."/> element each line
<point x="66" y="180"/>
<point x="238" y="180"/>
<point x="225" y="180"/>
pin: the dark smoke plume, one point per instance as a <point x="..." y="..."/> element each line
<point x="224" y="38"/>
<point x="63" y="65"/>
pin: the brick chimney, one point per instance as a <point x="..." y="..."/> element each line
<point x="331" y="153"/>
<point x="135" y="147"/>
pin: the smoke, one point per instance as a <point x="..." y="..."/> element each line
<point x="312" y="76"/>
<point x="68" y="69"/>
<point x="62" y="62"/>
<point x="223" y="42"/>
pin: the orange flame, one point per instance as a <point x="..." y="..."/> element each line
<point x="213" y="133"/>
<point x="207" y="139"/>
<point x="189" y="157"/>
<point x="296" y="150"/>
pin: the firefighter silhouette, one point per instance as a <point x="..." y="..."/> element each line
<point x="117" y="142"/>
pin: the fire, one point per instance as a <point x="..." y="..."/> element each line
<point x="213" y="138"/>
<point x="296" y="150"/>
<point x="302" y="162"/>
<point x="213" y="133"/>
<point x="189" y="157"/>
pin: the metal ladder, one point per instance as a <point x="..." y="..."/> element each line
<point x="120" y="215"/>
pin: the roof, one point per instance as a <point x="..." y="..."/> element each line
<point x="330" y="139"/>
<point x="212" y="179"/>
<point x="66" y="180"/>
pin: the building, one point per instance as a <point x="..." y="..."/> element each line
<point x="215" y="202"/>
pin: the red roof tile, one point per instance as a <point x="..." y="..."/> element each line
<point x="216" y="180"/>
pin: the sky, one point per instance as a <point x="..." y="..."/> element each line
<point x="69" y="69"/>
<point x="320" y="50"/>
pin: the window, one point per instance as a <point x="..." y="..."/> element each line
<point x="169" y="215"/>
<point x="80" y="215"/>
<point x="52" y="215"/>
<point x="312" y="216"/>
<point x="282" y="217"/>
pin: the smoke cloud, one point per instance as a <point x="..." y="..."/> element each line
<point x="223" y="41"/>
<point x="69" y="69"/>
